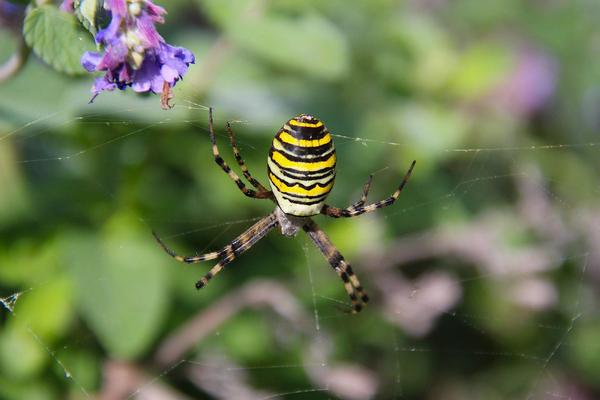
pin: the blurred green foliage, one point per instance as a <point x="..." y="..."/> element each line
<point x="82" y="186"/>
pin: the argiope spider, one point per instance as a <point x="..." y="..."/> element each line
<point x="301" y="169"/>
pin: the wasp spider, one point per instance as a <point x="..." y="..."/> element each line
<point x="301" y="170"/>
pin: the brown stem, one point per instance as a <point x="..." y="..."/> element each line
<point x="16" y="62"/>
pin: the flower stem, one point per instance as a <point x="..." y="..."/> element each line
<point x="16" y="62"/>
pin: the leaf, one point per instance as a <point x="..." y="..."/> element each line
<point x="91" y="14"/>
<point x="47" y="310"/>
<point x="57" y="38"/>
<point x="21" y="356"/>
<point x="14" y="201"/>
<point x="307" y="43"/>
<point x="482" y="67"/>
<point x="120" y="286"/>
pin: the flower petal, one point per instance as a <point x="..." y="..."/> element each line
<point x="90" y="60"/>
<point x="101" y="84"/>
<point x="134" y="53"/>
<point x="110" y="33"/>
<point x="117" y="7"/>
<point x="147" y="32"/>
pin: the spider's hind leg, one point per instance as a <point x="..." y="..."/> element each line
<point x="351" y="283"/>
<point x="230" y="252"/>
<point x="365" y="193"/>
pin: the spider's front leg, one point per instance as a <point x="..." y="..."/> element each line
<point x="357" y="295"/>
<point x="262" y="193"/>
<point x="359" y="208"/>
<point x="242" y="163"/>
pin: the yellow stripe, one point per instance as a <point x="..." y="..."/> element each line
<point x="305" y="124"/>
<point x="277" y="145"/>
<point x="297" y="189"/>
<point x="302" y="166"/>
<point x="286" y="137"/>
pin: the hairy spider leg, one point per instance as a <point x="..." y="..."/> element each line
<point x="219" y="160"/>
<point x="355" y="210"/>
<point x="230" y="252"/>
<point x="241" y="162"/>
<point x="357" y="295"/>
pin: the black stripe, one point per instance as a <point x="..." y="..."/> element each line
<point x="336" y="259"/>
<point x="301" y="159"/>
<point x="301" y="132"/>
<point x="344" y="277"/>
<point x="307" y="187"/>
<point x="235" y="247"/>
<point x="303" y="196"/>
<point x="307" y="203"/>
<point x="222" y="164"/>
<point x="303" y="150"/>
<point x="306" y="175"/>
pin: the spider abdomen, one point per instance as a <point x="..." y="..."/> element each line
<point x="301" y="166"/>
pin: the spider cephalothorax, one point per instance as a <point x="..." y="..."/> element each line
<point x="301" y="169"/>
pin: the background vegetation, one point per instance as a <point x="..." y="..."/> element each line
<point x="484" y="276"/>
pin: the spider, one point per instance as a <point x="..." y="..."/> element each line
<point x="301" y="171"/>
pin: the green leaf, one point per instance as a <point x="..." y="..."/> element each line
<point x="310" y="43"/>
<point x="14" y="201"/>
<point x="57" y="38"/>
<point x="39" y="318"/>
<point x="12" y="389"/>
<point x="21" y="356"/>
<point x="47" y="310"/>
<point x="482" y="67"/>
<point x="90" y="13"/>
<point x="307" y="43"/>
<point x="120" y="286"/>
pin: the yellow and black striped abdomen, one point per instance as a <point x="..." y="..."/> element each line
<point x="302" y="166"/>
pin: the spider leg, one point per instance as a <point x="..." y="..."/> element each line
<point x="185" y="259"/>
<point x="230" y="252"/>
<point x="239" y="245"/>
<point x="219" y="160"/>
<point x="366" y="188"/>
<point x="355" y="210"/>
<point x="241" y="161"/>
<point x="353" y="287"/>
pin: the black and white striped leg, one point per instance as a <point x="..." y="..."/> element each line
<point x="186" y="259"/>
<point x="365" y="193"/>
<point x="219" y="160"/>
<point x="230" y="252"/>
<point x="351" y="283"/>
<point x="241" y="162"/>
<point x="355" y="210"/>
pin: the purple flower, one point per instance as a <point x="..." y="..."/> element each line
<point x="530" y="85"/>
<point x="11" y="15"/>
<point x="67" y="6"/>
<point x="135" y="55"/>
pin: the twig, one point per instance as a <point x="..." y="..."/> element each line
<point x="16" y="62"/>
<point x="253" y="294"/>
<point x="123" y="380"/>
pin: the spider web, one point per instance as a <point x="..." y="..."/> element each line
<point x="414" y="306"/>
